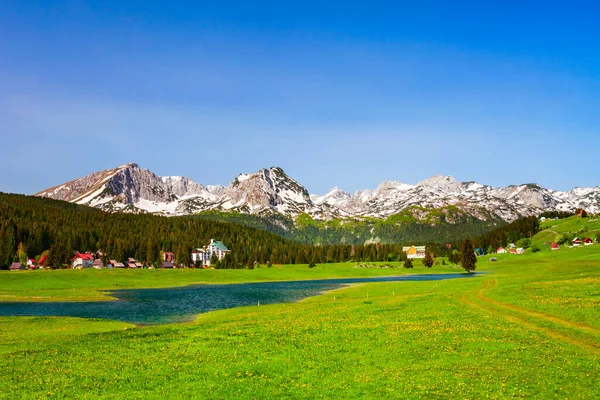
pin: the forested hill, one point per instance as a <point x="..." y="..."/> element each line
<point x="60" y="228"/>
<point x="415" y="224"/>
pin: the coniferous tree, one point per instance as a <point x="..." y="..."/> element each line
<point x="22" y="254"/>
<point x="7" y="247"/>
<point x="214" y="259"/>
<point x="429" y="259"/>
<point x="468" y="259"/>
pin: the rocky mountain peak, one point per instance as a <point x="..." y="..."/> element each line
<point x="134" y="189"/>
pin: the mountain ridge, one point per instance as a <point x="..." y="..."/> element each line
<point x="130" y="188"/>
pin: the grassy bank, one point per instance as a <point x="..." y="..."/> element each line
<point x="91" y="285"/>
<point x="527" y="328"/>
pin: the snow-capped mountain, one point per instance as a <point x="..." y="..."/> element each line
<point x="130" y="188"/>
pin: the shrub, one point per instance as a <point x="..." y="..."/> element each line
<point x="524" y="243"/>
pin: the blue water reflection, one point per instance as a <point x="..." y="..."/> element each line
<point x="180" y="304"/>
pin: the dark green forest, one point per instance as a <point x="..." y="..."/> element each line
<point x="511" y="233"/>
<point x="57" y="229"/>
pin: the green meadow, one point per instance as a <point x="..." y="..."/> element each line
<point x="529" y="327"/>
<point x="94" y="285"/>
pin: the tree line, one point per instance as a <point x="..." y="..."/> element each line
<point x="31" y="227"/>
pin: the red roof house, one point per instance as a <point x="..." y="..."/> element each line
<point x="82" y="260"/>
<point x="588" y="241"/>
<point x="555" y="246"/>
<point x="42" y="261"/>
<point x="576" y="242"/>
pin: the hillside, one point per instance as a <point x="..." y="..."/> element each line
<point x="566" y="229"/>
<point x="414" y="224"/>
<point x="61" y="228"/>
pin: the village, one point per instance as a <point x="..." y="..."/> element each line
<point x="201" y="258"/>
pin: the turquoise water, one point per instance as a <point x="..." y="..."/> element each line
<point x="181" y="304"/>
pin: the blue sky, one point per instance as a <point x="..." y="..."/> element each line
<point x="335" y="93"/>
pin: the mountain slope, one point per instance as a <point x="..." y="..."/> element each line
<point x="130" y="188"/>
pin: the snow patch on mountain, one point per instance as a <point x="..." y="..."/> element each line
<point x="129" y="188"/>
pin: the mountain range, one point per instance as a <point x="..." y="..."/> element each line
<point x="130" y="188"/>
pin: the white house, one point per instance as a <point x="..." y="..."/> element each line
<point x="520" y="250"/>
<point x="199" y="256"/>
<point x="82" y="260"/>
<point x="203" y="255"/>
<point x="501" y="250"/>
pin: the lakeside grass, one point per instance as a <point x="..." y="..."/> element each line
<point x="529" y="327"/>
<point x="91" y="284"/>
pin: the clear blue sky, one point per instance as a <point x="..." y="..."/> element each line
<point x="334" y="92"/>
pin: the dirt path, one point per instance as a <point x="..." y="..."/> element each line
<point x="531" y="319"/>
<point x="537" y="314"/>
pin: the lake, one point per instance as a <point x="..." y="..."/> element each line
<point x="181" y="304"/>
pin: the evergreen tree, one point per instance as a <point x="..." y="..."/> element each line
<point x="429" y="259"/>
<point x="468" y="259"/>
<point x="22" y="254"/>
<point x="214" y="259"/>
<point x="7" y="247"/>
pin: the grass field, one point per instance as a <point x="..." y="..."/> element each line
<point x="91" y="285"/>
<point x="529" y="327"/>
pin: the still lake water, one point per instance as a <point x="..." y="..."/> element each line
<point x="181" y="304"/>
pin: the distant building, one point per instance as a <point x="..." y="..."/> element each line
<point x="204" y="254"/>
<point x="98" y="264"/>
<point x="199" y="256"/>
<point x="82" y="260"/>
<point x="576" y="242"/>
<point x="42" y="261"/>
<point x="501" y="250"/>
<point x="16" y="266"/>
<point x="115" y="264"/>
<point x="165" y="264"/>
<point x="168" y="256"/>
<point x="588" y="242"/>
<point x="414" y="251"/>
<point x="555" y="246"/>
<point x="520" y="250"/>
